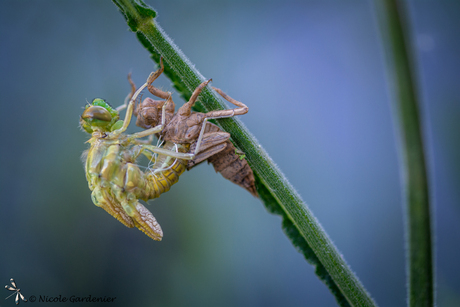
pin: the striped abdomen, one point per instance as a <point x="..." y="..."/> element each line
<point x="164" y="172"/>
<point x="114" y="166"/>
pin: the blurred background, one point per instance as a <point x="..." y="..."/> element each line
<point x="313" y="76"/>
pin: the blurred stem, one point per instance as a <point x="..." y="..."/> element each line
<point x="418" y="228"/>
<point x="274" y="189"/>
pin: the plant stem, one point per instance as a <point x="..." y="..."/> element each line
<point x="418" y="225"/>
<point x="274" y="189"/>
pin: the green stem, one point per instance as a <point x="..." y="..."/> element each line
<point x="274" y="189"/>
<point x="418" y="228"/>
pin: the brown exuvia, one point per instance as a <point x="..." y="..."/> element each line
<point x="184" y="127"/>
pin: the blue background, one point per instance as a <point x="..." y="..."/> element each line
<point x="313" y="76"/>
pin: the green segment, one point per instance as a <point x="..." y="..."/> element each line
<point x="117" y="125"/>
<point x="103" y="123"/>
<point x="102" y="103"/>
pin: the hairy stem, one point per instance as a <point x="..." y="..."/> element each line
<point x="274" y="189"/>
<point x="418" y="225"/>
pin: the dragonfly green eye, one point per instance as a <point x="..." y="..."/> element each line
<point x="97" y="113"/>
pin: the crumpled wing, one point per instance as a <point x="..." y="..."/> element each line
<point x="146" y="222"/>
<point x="103" y="199"/>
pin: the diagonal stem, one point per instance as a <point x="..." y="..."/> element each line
<point x="274" y="189"/>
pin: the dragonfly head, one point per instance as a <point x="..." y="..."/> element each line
<point x="100" y="116"/>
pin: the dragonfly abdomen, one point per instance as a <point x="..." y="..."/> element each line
<point x="107" y="167"/>
<point x="164" y="173"/>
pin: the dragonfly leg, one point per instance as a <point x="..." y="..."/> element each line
<point x="186" y="109"/>
<point x="129" y="112"/>
<point x="156" y="91"/>
<point x="167" y="152"/>
<point x="146" y="141"/>
<point x="243" y="109"/>
<point x="151" y="88"/>
<point x="202" y="132"/>
<point x="130" y="109"/>
<point x="128" y="97"/>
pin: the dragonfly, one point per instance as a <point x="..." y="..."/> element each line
<point x="16" y="290"/>
<point x="117" y="182"/>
